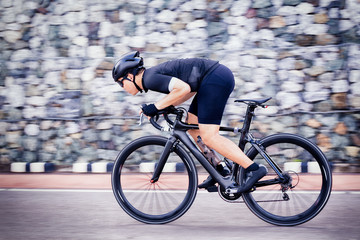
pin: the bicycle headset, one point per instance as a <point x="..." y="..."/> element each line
<point x="128" y="63"/>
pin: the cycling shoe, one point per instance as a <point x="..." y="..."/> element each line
<point x="252" y="178"/>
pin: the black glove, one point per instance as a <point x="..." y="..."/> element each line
<point x="149" y="110"/>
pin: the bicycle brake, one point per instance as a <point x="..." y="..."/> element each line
<point x="141" y="119"/>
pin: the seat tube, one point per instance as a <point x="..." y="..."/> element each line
<point x="163" y="158"/>
<point x="246" y="126"/>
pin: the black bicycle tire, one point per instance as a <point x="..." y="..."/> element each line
<point x="325" y="192"/>
<point x="128" y="208"/>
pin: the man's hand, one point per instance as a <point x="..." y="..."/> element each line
<point x="149" y="110"/>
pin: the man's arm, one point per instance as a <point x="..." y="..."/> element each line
<point x="180" y="92"/>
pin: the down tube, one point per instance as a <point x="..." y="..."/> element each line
<point x="204" y="162"/>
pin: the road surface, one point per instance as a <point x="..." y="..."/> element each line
<point x="95" y="214"/>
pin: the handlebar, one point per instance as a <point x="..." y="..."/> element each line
<point x="155" y="124"/>
<point x="165" y="112"/>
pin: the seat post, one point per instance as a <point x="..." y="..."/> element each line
<point x="246" y="126"/>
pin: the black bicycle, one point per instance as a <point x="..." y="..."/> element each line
<point x="155" y="179"/>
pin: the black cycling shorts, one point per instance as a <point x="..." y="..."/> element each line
<point x="209" y="103"/>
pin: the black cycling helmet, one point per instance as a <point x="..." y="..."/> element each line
<point x="127" y="63"/>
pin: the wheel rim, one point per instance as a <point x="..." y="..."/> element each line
<point x="295" y="203"/>
<point x="159" y="202"/>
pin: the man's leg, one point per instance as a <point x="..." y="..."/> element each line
<point x="227" y="148"/>
<point x="211" y="137"/>
<point x="193" y="119"/>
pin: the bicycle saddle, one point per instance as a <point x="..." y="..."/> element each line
<point x="257" y="102"/>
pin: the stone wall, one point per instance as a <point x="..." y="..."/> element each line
<point x="58" y="102"/>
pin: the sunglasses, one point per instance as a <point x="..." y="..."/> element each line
<point x="121" y="81"/>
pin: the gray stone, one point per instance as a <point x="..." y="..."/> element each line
<point x="105" y="125"/>
<point x="166" y="16"/>
<point x="286" y="11"/>
<point x="339" y="141"/>
<point x="107" y="154"/>
<point x="217" y="28"/>
<point x="16" y="95"/>
<point x="307" y="132"/>
<point x="239" y="8"/>
<point x="291" y="2"/>
<point x="138" y="42"/>
<point x="45" y="157"/>
<point x="288" y="100"/>
<point x="316" y="29"/>
<point x="323" y="106"/>
<point x="354" y="76"/>
<point x="89" y="154"/>
<point x="305" y="8"/>
<point x="354" y="101"/>
<point x="355" y="88"/>
<point x="329" y="121"/>
<point x="290" y="86"/>
<point x="340" y="86"/>
<point x="261" y="4"/>
<point x="8" y="16"/>
<point x="29" y="156"/>
<point x="30" y="143"/>
<point x="96" y="52"/>
<point x="246" y="73"/>
<point x="335" y="65"/>
<point x="32" y="129"/>
<point x="90" y="135"/>
<point x="73" y="84"/>
<point x="315" y="71"/>
<point x="317" y="96"/>
<point x="6" y="3"/>
<point x="105" y="135"/>
<point x="350" y="122"/>
<point x="36" y="101"/>
<point x="287" y="63"/>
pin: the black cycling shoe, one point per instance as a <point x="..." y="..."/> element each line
<point x="252" y="178"/>
<point x="209" y="182"/>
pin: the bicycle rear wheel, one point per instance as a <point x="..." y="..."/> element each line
<point x="308" y="184"/>
<point x="154" y="203"/>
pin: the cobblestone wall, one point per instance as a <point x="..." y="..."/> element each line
<point x="58" y="102"/>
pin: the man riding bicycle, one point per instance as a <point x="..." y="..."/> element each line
<point x="181" y="79"/>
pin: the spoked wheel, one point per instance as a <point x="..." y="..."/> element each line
<point x="305" y="188"/>
<point x="160" y="202"/>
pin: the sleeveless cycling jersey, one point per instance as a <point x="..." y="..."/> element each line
<point x="191" y="70"/>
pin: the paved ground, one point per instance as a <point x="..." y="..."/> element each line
<point x="341" y="182"/>
<point x="82" y="206"/>
<point x="94" y="214"/>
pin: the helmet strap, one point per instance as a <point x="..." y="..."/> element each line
<point x="137" y="86"/>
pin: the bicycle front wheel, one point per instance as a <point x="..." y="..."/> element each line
<point x="160" y="202"/>
<point x="306" y="189"/>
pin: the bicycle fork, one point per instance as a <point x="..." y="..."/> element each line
<point x="163" y="158"/>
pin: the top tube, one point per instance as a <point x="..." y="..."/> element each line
<point x="178" y="124"/>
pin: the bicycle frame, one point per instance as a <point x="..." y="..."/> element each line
<point x="179" y="134"/>
<point x="155" y="199"/>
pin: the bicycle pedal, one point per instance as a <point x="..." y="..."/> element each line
<point x="212" y="189"/>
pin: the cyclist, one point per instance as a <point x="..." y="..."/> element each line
<point x="181" y="79"/>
